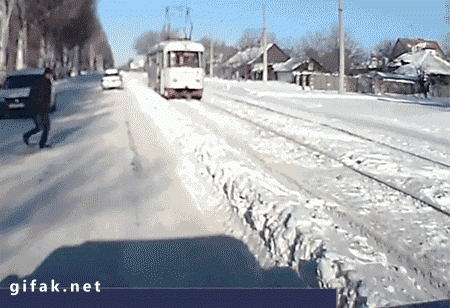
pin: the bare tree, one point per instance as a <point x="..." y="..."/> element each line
<point x="80" y="24"/>
<point x="63" y="24"/>
<point x="145" y="41"/>
<point x="327" y="42"/>
<point x="253" y="37"/>
<point x="445" y="45"/>
<point x="45" y="14"/>
<point x="8" y="7"/>
<point x="220" y="48"/>
<point x="55" y="29"/>
<point x="384" y="48"/>
<point x="23" y="33"/>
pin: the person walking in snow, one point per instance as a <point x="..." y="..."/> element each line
<point x="41" y="96"/>
<point x="427" y="86"/>
<point x="423" y="83"/>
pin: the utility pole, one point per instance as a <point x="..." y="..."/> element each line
<point x="265" y="45"/>
<point x="341" y="49"/>
<point x="211" y="65"/>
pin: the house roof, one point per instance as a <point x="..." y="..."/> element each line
<point x="404" y="45"/>
<point x="287" y="66"/>
<point x="425" y="60"/>
<point x="247" y="56"/>
<point x="396" y="76"/>
<point x="257" y="67"/>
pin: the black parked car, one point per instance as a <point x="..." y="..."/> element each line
<point x="15" y="101"/>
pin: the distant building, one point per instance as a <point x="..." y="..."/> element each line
<point x="376" y="63"/>
<point x="329" y="61"/>
<point x="290" y="70"/>
<point x="138" y="64"/>
<point x="248" y="64"/>
<point x="283" y="71"/>
<point x="405" y="45"/>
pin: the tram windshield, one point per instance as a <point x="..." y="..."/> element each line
<point x="185" y="58"/>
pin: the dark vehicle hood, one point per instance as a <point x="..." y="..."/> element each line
<point x="212" y="261"/>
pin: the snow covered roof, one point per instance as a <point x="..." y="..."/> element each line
<point x="406" y="45"/>
<point x="287" y="66"/>
<point x="397" y="77"/>
<point x="247" y="56"/>
<point x="425" y="60"/>
<point x="181" y="45"/>
<point x="257" y="67"/>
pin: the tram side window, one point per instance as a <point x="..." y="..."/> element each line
<point x="200" y="57"/>
<point x="152" y="60"/>
<point x="184" y="58"/>
<point x="166" y="59"/>
<point x="159" y="58"/>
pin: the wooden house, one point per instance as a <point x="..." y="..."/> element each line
<point x="248" y="64"/>
<point x="405" y="45"/>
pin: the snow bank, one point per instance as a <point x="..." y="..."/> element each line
<point x="289" y="224"/>
<point x="293" y="226"/>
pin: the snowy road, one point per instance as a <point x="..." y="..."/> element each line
<point x="343" y="181"/>
<point x="108" y="176"/>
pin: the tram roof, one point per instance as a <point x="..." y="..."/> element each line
<point x="177" y="45"/>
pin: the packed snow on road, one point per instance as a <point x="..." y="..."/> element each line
<point x="358" y="184"/>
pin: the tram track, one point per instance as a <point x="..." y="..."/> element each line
<point x="367" y="174"/>
<point x="421" y="265"/>
<point x="345" y="131"/>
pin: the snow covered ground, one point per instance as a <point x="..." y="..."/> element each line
<point x="108" y="176"/>
<point x="373" y="136"/>
<point x="130" y="164"/>
<point x="262" y="177"/>
<point x="391" y="287"/>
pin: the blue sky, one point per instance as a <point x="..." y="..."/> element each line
<point x="368" y="22"/>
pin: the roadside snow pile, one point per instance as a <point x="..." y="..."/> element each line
<point x="290" y="225"/>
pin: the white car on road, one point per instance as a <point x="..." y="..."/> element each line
<point x="112" y="79"/>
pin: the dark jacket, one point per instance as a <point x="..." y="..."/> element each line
<point x="40" y="96"/>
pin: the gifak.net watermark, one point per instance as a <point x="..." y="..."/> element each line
<point x="33" y="286"/>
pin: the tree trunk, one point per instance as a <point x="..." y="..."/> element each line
<point x="14" y="30"/>
<point x="91" y="57"/>
<point x="4" y="39"/>
<point x="76" y="60"/>
<point x="22" y="47"/>
<point x="42" y="53"/>
<point x="52" y="59"/>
